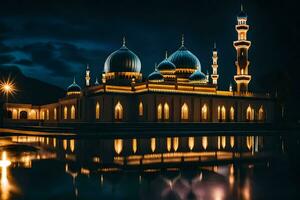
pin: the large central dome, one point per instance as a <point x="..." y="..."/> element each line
<point x="184" y="59"/>
<point x="122" y="60"/>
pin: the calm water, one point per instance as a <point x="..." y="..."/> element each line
<point x="206" y="168"/>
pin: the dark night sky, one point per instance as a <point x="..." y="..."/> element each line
<point x="52" y="40"/>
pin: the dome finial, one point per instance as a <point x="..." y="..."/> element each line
<point x="182" y="40"/>
<point x="166" y="55"/>
<point x="124" y="41"/>
<point x="74" y="80"/>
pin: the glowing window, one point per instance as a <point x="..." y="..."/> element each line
<point x="141" y="109"/>
<point x="166" y="111"/>
<point x="42" y="115"/>
<point x="55" y="114"/>
<point x="219" y="113"/>
<point x="97" y="110"/>
<point x="261" y="113"/>
<point x="231" y="114"/>
<point x="65" y="112"/>
<point x="118" y="111"/>
<point x="184" y="112"/>
<point x="47" y="114"/>
<point x="204" y="112"/>
<point x="73" y="112"/>
<point x="223" y="113"/>
<point x="250" y="113"/>
<point x="159" y="112"/>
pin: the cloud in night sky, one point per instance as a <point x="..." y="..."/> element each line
<point x="54" y="40"/>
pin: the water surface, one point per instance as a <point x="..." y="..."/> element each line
<point x="190" y="167"/>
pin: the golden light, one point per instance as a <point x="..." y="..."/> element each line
<point x="5" y="186"/>
<point x="7" y="87"/>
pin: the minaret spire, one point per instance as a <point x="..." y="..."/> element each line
<point x="124" y="41"/>
<point x="74" y="80"/>
<point x="214" y="76"/>
<point x="87" y="76"/>
<point x="242" y="45"/>
<point x="242" y="8"/>
<point x="166" y="55"/>
<point x="182" y="40"/>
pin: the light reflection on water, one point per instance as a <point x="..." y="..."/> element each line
<point x="192" y="167"/>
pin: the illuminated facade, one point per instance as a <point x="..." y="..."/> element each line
<point x="176" y="91"/>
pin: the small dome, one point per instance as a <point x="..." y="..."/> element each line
<point x="74" y="87"/>
<point x="166" y="65"/>
<point x="184" y="59"/>
<point x="155" y="76"/>
<point x="122" y="60"/>
<point x="198" y="76"/>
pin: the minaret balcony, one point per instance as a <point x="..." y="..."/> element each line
<point x="241" y="44"/>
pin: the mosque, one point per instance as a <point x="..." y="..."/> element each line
<point x="176" y="91"/>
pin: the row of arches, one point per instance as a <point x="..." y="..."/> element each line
<point x="72" y="113"/>
<point x="251" y="114"/>
<point x="163" y="112"/>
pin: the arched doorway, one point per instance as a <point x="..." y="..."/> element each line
<point x="159" y="112"/>
<point x="166" y="111"/>
<point x="204" y="113"/>
<point x="23" y="115"/>
<point x="231" y="114"/>
<point x="184" y="112"/>
<point x="261" y="114"/>
<point x="118" y="111"/>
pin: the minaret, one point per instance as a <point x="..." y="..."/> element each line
<point x="96" y="82"/>
<point x="242" y="78"/>
<point x="214" y="75"/>
<point x="87" y="76"/>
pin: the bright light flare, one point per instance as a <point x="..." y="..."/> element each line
<point x="8" y="87"/>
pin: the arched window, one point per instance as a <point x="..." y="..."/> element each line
<point x="223" y="113"/>
<point x="23" y="115"/>
<point x="166" y="111"/>
<point x="231" y="114"/>
<point x="47" y="114"/>
<point x="97" y="110"/>
<point x="141" y="109"/>
<point x="159" y="112"/>
<point x="42" y="115"/>
<point x="204" y="113"/>
<point x="73" y="112"/>
<point x="55" y="114"/>
<point x="65" y="112"/>
<point x="118" y="111"/>
<point x="184" y="112"/>
<point x="219" y="113"/>
<point x="261" y="114"/>
<point x="250" y="114"/>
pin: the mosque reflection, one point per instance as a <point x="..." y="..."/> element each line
<point x="158" y="162"/>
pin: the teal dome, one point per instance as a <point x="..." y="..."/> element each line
<point x="155" y="76"/>
<point x="184" y="59"/>
<point x="198" y="76"/>
<point x="74" y="87"/>
<point x="122" y="60"/>
<point x="166" y="65"/>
